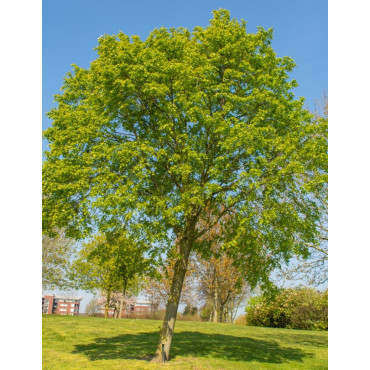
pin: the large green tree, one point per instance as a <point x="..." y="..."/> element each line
<point x="158" y="131"/>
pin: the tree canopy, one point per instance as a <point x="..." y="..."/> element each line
<point x="157" y="131"/>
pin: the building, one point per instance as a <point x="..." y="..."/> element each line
<point x="52" y="304"/>
<point x="136" y="308"/>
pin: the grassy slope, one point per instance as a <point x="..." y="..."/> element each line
<point x="72" y="342"/>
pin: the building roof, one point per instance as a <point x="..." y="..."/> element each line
<point x="62" y="297"/>
<point x="142" y="302"/>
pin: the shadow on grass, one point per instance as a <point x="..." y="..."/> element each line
<point x="142" y="346"/>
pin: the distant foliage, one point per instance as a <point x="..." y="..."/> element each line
<point x="93" y="307"/>
<point x="182" y="317"/>
<point x="190" y="310"/>
<point x="206" y="312"/>
<point x="300" y="308"/>
<point x="57" y="251"/>
<point x="240" y="320"/>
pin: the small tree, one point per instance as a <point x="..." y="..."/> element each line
<point x="108" y="266"/>
<point x="158" y="287"/>
<point x="190" y="310"/>
<point x="93" y="307"/>
<point x="220" y="284"/>
<point x="121" y="301"/>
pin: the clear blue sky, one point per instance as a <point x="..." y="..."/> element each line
<point x="70" y="31"/>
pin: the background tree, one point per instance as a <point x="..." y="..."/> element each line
<point x="57" y="251"/>
<point x="220" y="283"/>
<point x="156" y="132"/>
<point x="222" y="286"/>
<point x="190" y="310"/>
<point x="93" y="307"/>
<point x="108" y="266"/>
<point x="121" y="301"/>
<point x="314" y="269"/>
<point x="94" y="271"/>
<point x="157" y="288"/>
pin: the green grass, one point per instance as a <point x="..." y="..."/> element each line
<point x="78" y="342"/>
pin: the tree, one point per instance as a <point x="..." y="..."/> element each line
<point x="108" y="266"/>
<point x="190" y="310"/>
<point x="122" y="300"/>
<point x="93" y="307"/>
<point x="156" y="132"/>
<point x="314" y="269"/>
<point x="220" y="283"/>
<point x="222" y="286"/>
<point x="157" y="288"/>
<point x="57" y="251"/>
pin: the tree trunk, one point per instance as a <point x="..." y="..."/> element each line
<point x="221" y="314"/>
<point x="215" y="303"/>
<point x="107" y="304"/>
<point x="122" y="299"/>
<point x="211" y="317"/>
<point x="231" y="311"/>
<point x="181" y="265"/>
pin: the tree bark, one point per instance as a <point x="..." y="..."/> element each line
<point x="123" y="298"/>
<point x="221" y="314"/>
<point x="211" y="316"/>
<point x="180" y="268"/>
<point x="231" y="311"/>
<point x="215" y="304"/>
<point x="107" y="304"/>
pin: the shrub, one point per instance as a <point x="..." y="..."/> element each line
<point x="240" y="320"/>
<point x="195" y="317"/>
<point x="190" y="313"/>
<point x="300" y="308"/>
<point x="190" y="310"/>
<point x="205" y="312"/>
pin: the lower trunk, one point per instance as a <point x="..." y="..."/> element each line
<point x="215" y="305"/>
<point x="231" y="311"/>
<point x="107" y="305"/>
<point x="122" y="299"/>
<point x="181" y="265"/>
<point x="221" y="314"/>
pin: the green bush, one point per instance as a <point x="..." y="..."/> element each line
<point x="205" y="312"/>
<point x="299" y="308"/>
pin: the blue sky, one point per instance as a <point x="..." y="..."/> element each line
<point x="70" y="30"/>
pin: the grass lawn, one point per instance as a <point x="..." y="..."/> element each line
<point x="80" y="342"/>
